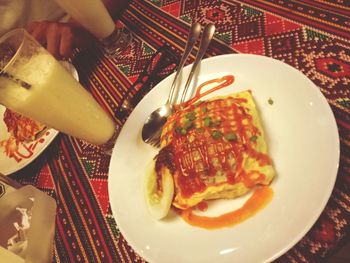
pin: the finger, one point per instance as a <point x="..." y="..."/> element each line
<point x="66" y="42"/>
<point x="38" y="31"/>
<point x="84" y="39"/>
<point x="53" y="35"/>
<point x="31" y="26"/>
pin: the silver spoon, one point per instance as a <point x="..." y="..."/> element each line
<point x="151" y="134"/>
<point x="157" y="118"/>
<point x="208" y="34"/>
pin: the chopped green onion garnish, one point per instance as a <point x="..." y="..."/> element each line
<point x="253" y="138"/>
<point x="180" y="130"/>
<point x="188" y="125"/>
<point x="231" y="136"/>
<point x="216" y="134"/>
<point x="207" y="121"/>
<point x="191" y="115"/>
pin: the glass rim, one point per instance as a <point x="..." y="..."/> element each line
<point x="23" y="33"/>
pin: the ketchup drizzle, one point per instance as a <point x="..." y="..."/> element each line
<point x="199" y="156"/>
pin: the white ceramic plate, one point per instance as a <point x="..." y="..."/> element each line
<point x="27" y="152"/>
<point x="303" y="142"/>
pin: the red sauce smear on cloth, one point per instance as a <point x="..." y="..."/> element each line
<point x="260" y="198"/>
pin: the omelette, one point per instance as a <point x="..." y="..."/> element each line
<point x="22" y="128"/>
<point x="212" y="149"/>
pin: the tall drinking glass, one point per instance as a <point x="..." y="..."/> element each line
<point x="94" y="17"/>
<point x="35" y="84"/>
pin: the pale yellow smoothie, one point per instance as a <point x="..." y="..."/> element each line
<point x="56" y="99"/>
<point x="7" y="256"/>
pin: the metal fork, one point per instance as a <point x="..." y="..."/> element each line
<point x="155" y="139"/>
<point x="207" y="35"/>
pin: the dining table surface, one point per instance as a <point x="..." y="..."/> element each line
<point x="311" y="36"/>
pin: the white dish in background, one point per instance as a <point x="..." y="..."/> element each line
<point x="27" y="152"/>
<point x="303" y="142"/>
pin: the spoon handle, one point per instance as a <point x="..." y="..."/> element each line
<point x="207" y="35"/>
<point x="191" y="40"/>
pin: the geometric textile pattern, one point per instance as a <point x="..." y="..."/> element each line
<point x="312" y="36"/>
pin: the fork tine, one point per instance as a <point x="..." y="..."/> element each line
<point x="155" y="140"/>
<point x="154" y="144"/>
<point x="157" y="144"/>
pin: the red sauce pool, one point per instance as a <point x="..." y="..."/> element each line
<point x="260" y="198"/>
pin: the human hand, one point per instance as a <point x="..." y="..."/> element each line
<point x="60" y="39"/>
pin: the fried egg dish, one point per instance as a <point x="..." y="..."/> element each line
<point x="212" y="149"/>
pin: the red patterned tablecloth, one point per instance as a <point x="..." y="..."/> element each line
<point x="312" y="36"/>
